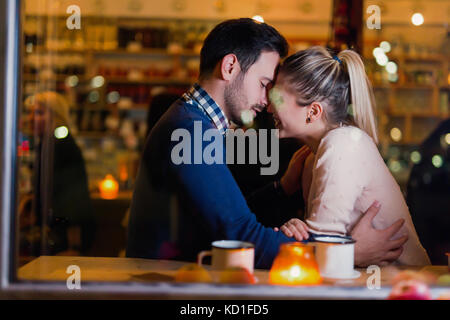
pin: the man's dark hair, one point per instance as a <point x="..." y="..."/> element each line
<point x="246" y="38"/>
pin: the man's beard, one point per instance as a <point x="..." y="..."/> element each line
<point x="235" y="100"/>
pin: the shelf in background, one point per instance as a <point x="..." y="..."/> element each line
<point x="415" y="58"/>
<point x="402" y="143"/>
<point x="416" y="114"/>
<point x="152" y="81"/>
<point x="411" y="86"/>
<point x="117" y="80"/>
<point x="55" y="78"/>
<point x="143" y="52"/>
<point x="148" y="52"/>
<point x="97" y="135"/>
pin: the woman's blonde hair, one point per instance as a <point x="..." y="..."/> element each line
<point x="338" y="81"/>
<point x="55" y="103"/>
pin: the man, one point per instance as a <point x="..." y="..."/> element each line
<point x="238" y="62"/>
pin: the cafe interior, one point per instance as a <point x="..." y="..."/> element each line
<point x="107" y="70"/>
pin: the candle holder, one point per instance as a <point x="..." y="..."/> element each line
<point x="295" y="264"/>
<point x="109" y="188"/>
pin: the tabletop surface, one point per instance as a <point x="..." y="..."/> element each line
<point x="131" y="270"/>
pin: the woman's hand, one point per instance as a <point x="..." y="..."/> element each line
<point x="295" y="228"/>
<point x="290" y="181"/>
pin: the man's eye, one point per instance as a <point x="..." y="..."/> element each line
<point x="263" y="85"/>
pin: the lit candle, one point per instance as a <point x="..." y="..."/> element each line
<point x="109" y="187"/>
<point x="295" y="264"/>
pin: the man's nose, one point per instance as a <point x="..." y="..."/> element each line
<point x="264" y="101"/>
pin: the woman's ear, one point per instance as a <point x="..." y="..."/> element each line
<point x="229" y="67"/>
<point x="315" y="111"/>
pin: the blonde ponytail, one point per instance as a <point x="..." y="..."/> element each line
<point x="315" y="74"/>
<point x="362" y="97"/>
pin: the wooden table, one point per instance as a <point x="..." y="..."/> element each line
<point x="144" y="273"/>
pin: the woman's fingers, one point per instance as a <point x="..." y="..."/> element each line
<point x="286" y="231"/>
<point x="300" y="227"/>
<point x="292" y="226"/>
<point x="296" y="228"/>
<point x="297" y="234"/>
<point x="290" y="231"/>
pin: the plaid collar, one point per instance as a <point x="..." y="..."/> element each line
<point x="204" y="101"/>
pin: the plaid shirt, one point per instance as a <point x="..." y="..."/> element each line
<point x="199" y="97"/>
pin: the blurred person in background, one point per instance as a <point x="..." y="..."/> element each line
<point x="58" y="212"/>
<point x="428" y="194"/>
<point x="159" y="104"/>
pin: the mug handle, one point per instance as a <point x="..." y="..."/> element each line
<point x="202" y="255"/>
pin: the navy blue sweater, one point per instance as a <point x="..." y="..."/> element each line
<point x="212" y="205"/>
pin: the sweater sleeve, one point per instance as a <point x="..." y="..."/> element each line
<point x="221" y="205"/>
<point x="338" y="181"/>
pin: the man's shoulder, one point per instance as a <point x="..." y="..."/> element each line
<point x="182" y="115"/>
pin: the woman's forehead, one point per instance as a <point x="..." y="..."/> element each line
<point x="35" y="106"/>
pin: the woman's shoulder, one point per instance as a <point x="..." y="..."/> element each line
<point x="347" y="136"/>
<point x="346" y="141"/>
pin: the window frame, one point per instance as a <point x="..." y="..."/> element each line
<point x="11" y="48"/>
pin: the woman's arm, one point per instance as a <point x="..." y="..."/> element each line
<point x="307" y="176"/>
<point x="339" y="176"/>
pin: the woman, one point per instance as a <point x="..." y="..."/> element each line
<point x="60" y="201"/>
<point x="327" y="103"/>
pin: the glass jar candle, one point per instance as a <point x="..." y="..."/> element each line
<point x="295" y="264"/>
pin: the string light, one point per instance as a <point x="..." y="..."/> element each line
<point x="437" y="161"/>
<point x="447" y="138"/>
<point x="72" y="81"/>
<point x="97" y="81"/>
<point x="396" y="134"/>
<point x="417" y="19"/>
<point x="395" y="166"/>
<point x="415" y="157"/>
<point x="385" y="46"/>
<point x="61" y="132"/>
<point x="391" y="67"/>
<point x="382" y="60"/>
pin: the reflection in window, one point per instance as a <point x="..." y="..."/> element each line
<point x="55" y="211"/>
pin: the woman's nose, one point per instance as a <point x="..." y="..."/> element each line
<point x="269" y="108"/>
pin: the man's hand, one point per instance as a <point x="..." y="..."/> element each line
<point x="290" y="182"/>
<point x="375" y="246"/>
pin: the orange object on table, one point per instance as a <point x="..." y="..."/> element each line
<point x="109" y="188"/>
<point x="295" y="264"/>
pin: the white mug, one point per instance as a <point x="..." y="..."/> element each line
<point x="230" y="253"/>
<point x="335" y="256"/>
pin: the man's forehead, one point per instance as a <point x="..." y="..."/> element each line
<point x="266" y="65"/>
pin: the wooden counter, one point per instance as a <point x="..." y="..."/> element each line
<point x="149" y="275"/>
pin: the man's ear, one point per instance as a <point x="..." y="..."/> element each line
<point x="315" y="111"/>
<point x="229" y="67"/>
